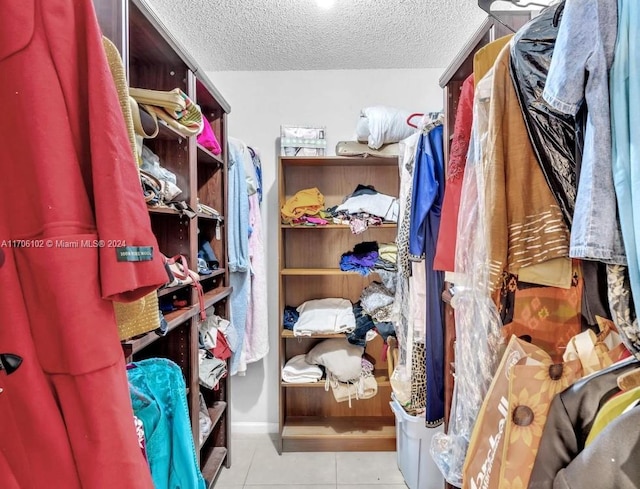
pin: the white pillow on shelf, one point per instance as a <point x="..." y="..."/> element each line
<point x="342" y="359"/>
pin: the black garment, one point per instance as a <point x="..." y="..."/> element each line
<point x="570" y="420"/>
<point x="594" y="296"/>
<point x="552" y="134"/>
<point x="612" y="460"/>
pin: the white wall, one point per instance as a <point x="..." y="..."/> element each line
<point x="260" y="103"/>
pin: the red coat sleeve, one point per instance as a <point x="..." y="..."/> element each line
<point x="129" y="259"/>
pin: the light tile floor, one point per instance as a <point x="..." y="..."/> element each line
<point x="256" y="465"/>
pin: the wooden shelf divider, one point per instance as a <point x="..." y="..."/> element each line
<point x="213" y="465"/>
<point x="207" y="157"/>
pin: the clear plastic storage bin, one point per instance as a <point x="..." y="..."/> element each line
<point x="413" y="440"/>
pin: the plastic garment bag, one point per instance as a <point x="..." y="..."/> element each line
<point x="553" y="134"/>
<point x="478" y="337"/>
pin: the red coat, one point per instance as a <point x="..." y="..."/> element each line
<point x="67" y="177"/>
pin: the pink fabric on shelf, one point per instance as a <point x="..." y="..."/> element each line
<point x="208" y="139"/>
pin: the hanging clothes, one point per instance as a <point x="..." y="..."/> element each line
<point x="477" y="322"/>
<point x="158" y="396"/>
<point x="446" y="248"/>
<point x="601" y="461"/>
<point x="578" y="75"/>
<point x="485" y="57"/>
<point x="426" y="205"/>
<point x="238" y="246"/>
<point x="552" y="133"/>
<point x="625" y="120"/>
<point x="525" y="225"/>
<point x="256" y="344"/>
<point x="569" y="422"/>
<point x="65" y="415"/>
<point x="401" y="302"/>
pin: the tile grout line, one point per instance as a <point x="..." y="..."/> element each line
<point x="253" y="454"/>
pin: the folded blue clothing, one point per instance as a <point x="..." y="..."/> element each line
<point x="290" y="317"/>
<point x="349" y="263"/>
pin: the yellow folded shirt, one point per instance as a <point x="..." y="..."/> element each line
<point x="306" y="202"/>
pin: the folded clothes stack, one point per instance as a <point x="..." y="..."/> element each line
<point x="325" y="316"/>
<point x="298" y="371"/>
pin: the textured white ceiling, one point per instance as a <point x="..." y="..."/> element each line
<point x="233" y="35"/>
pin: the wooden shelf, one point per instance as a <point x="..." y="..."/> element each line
<point x="381" y="377"/>
<point x="215" y="295"/>
<point x="216" y="273"/>
<point x="215" y="413"/>
<point x="339" y="161"/>
<point x="202" y="215"/>
<point x="163" y="210"/>
<point x="170" y="290"/>
<point x="352" y="433"/>
<point x="206" y="157"/>
<point x="287" y="333"/>
<point x="317" y="271"/>
<point x="166" y="132"/>
<point x="153" y="59"/>
<point x="385" y="225"/>
<point x="310" y="418"/>
<point x="174" y="319"/>
<point x="213" y="464"/>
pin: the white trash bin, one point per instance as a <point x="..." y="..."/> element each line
<point x="413" y="441"/>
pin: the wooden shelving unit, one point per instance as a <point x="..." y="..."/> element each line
<point x="381" y="378"/>
<point x="153" y="59"/>
<point x="310" y="418"/>
<point x="332" y="226"/>
<point x="207" y="157"/>
<point x="213" y="465"/>
<point x="353" y="433"/>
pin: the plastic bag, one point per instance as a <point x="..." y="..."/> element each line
<point x="553" y="134"/>
<point x="151" y="165"/>
<point x="401" y="385"/>
<point x="478" y="337"/>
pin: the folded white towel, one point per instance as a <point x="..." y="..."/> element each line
<point x="298" y="371"/>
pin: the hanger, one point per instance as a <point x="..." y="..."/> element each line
<point x="426" y="119"/>
<point x="415" y="114"/>
<point x="486" y="6"/>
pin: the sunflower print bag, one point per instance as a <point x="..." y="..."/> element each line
<point x="533" y="383"/>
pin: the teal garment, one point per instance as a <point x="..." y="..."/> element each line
<point x="158" y="396"/>
<point x="624" y="92"/>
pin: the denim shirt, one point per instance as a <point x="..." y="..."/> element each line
<point x="579" y="74"/>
